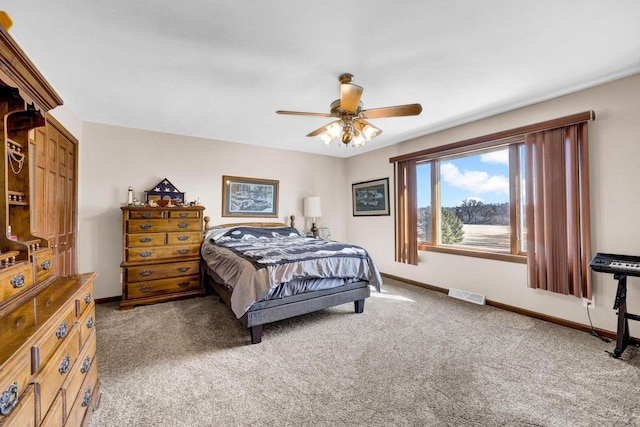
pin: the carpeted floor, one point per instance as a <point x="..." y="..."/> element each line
<point x="413" y="358"/>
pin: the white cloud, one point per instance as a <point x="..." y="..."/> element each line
<point x="501" y="157"/>
<point x="476" y="181"/>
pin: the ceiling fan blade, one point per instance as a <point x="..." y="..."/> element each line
<point x="350" y="97"/>
<point x="323" y="128"/>
<point x="301" y="113"/>
<point x="396" y="111"/>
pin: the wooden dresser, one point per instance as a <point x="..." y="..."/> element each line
<point x="161" y="254"/>
<point x="48" y="367"/>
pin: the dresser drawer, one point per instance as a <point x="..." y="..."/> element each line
<point x="146" y="239"/>
<point x="15" y="279"/>
<point x="184" y="224"/>
<point x="83" y="365"/>
<point x="159" y="225"/>
<point x="146" y="254"/>
<point x="184" y="214"/>
<point x="150" y="214"/>
<point x="180" y="238"/>
<point x="24" y="413"/>
<point x="87" y="323"/>
<point x="43" y="261"/>
<point x="84" y="398"/>
<point x="14" y="379"/>
<point x="56" y="370"/>
<point x="164" y="286"/>
<point x="16" y="327"/>
<point x="55" y="416"/>
<point x="56" y="335"/>
<point x="162" y="271"/>
<point x="85" y="300"/>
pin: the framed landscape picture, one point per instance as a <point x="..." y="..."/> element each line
<point x="249" y="197"/>
<point x="371" y="197"/>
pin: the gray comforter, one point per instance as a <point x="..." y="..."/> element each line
<point x="257" y="262"/>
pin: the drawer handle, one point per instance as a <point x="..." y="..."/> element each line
<point x="9" y="399"/>
<point x="86" y="364"/>
<point x="146" y="273"/>
<point x="146" y="215"/>
<point x="65" y="365"/>
<point x="87" y="298"/>
<point x="146" y="254"/>
<point x="90" y="322"/>
<point x="46" y="264"/>
<point x="63" y="330"/>
<point x="146" y="239"/>
<point x="145" y="288"/>
<point x="87" y="397"/>
<point x="184" y="269"/>
<point x="183" y="238"/>
<point x="183" y="224"/>
<point x="183" y="251"/>
<point x="183" y="284"/>
<point x="146" y="226"/>
<point x="18" y="281"/>
<point x="183" y="214"/>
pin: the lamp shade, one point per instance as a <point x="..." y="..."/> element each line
<point x="312" y="207"/>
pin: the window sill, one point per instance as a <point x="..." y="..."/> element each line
<point x="520" y="259"/>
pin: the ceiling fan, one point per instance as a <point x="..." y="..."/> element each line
<point x="351" y="117"/>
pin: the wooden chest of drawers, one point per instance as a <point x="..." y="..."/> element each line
<point x="161" y="254"/>
<point x="48" y="362"/>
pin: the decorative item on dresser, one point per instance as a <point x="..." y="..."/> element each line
<point x="48" y="368"/>
<point x="161" y="258"/>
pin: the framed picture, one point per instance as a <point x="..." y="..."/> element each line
<point x="249" y="197"/>
<point x="371" y="197"/>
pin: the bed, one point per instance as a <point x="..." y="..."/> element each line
<point x="268" y="272"/>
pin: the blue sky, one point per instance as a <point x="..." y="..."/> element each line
<point x="483" y="177"/>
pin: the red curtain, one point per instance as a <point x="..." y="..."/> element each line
<point x="406" y="212"/>
<point x="557" y="210"/>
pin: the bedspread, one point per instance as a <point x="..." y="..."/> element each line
<point x="255" y="260"/>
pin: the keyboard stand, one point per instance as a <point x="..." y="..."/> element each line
<point x="623" y="338"/>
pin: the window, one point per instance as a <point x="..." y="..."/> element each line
<point x="471" y="195"/>
<point x="520" y="195"/>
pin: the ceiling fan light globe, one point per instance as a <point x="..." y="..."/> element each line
<point x="358" y="140"/>
<point x="326" y="138"/>
<point x="369" y="132"/>
<point x="334" y="130"/>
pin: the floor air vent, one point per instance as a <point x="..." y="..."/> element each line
<point x="467" y="296"/>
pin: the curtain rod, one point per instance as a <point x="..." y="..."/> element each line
<point x="523" y="130"/>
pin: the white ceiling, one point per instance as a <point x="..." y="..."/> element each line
<point x="220" y="69"/>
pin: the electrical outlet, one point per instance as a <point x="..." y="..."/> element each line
<point x="589" y="303"/>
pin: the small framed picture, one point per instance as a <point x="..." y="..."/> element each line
<point x="371" y="198"/>
<point x="249" y="197"/>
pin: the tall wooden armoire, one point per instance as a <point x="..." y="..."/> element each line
<point x="48" y="363"/>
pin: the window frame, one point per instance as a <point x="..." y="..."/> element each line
<point x="406" y="248"/>
<point x="515" y="253"/>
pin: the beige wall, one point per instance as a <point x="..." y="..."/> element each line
<point x="614" y="139"/>
<point x="114" y="158"/>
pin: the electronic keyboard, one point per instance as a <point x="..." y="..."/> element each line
<point x="616" y="264"/>
<point x="620" y="266"/>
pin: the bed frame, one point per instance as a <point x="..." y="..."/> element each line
<point x="265" y="312"/>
